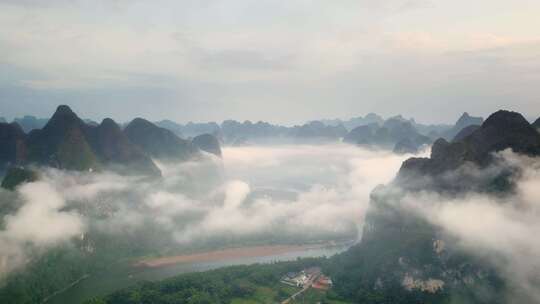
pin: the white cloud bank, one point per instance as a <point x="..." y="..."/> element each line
<point x="300" y="192"/>
<point x="221" y="59"/>
<point x="501" y="230"/>
<point x="304" y="191"/>
<point x="38" y="222"/>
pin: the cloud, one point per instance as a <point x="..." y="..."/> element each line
<point x="220" y="59"/>
<point x="299" y="193"/>
<point x="326" y="191"/>
<point x="280" y="193"/>
<point x="499" y="229"/>
<point x="283" y="193"/>
<point x="39" y="222"/>
<point x="42" y="209"/>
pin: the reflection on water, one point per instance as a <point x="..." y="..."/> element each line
<point x="105" y="283"/>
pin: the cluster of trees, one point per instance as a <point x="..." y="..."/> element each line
<point x="44" y="276"/>
<point x="216" y="286"/>
<point x="48" y="271"/>
<point x="353" y="283"/>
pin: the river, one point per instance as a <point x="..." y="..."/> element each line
<point x="102" y="284"/>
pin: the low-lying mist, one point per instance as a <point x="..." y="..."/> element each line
<point x="499" y="228"/>
<point x="267" y="195"/>
<point x="254" y="195"/>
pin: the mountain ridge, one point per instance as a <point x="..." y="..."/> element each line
<point x="158" y="142"/>
<point x="68" y="142"/>
<point x="402" y="258"/>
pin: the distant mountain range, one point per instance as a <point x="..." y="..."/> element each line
<point x="500" y="131"/>
<point x="372" y="118"/>
<point x="402" y="258"/>
<point x="352" y="123"/>
<point x="233" y="132"/>
<point x="403" y="136"/>
<point x="397" y="133"/>
<point x="68" y="142"/>
<point x="463" y="122"/>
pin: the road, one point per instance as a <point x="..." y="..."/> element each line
<point x="306" y="287"/>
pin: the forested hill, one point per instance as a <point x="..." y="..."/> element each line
<point x="406" y="257"/>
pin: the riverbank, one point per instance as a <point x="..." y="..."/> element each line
<point x="227" y="254"/>
<point x="119" y="277"/>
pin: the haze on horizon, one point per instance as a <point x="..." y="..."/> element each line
<point x="279" y="61"/>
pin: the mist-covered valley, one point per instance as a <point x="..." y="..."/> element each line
<point x="88" y="209"/>
<point x="263" y="152"/>
<point x="253" y="195"/>
<point x="451" y="220"/>
<point x="85" y="220"/>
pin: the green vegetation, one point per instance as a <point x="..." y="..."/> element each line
<point x="62" y="265"/>
<point x="397" y="244"/>
<point x="16" y="176"/>
<point x="51" y="273"/>
<point x="318" y="296"/>
<point x="259" y="283"/>
<point x="74" y="153"/>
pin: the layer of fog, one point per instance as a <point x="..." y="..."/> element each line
<point x="37" y="223"/>
<point x="263" y="193"/>
<point x="501" y="229"/>
<point x="303" y="193"/>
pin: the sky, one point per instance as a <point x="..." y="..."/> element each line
<point x="280" y="61"/>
